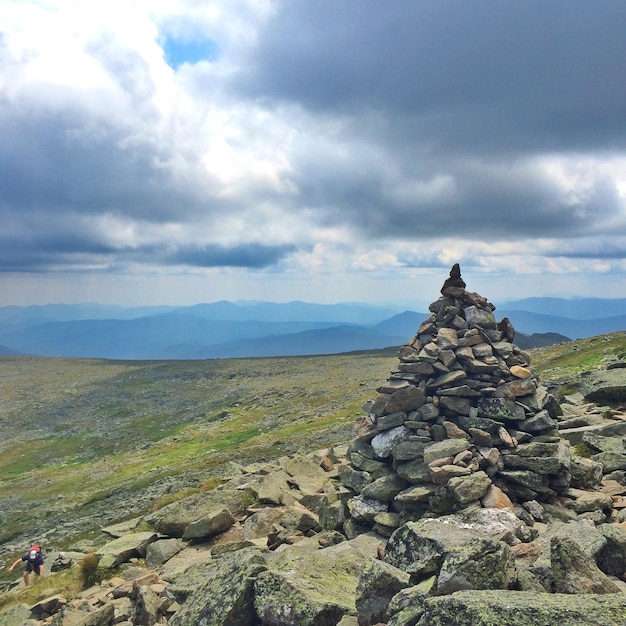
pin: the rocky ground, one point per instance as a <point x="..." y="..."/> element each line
<point x="275" y="545"/>
<point x="86" y="442"/>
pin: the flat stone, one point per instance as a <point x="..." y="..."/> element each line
<point x="384" y="443"/>
<point x="404" y="400"/>
<point x="469" y="488"/>
<point x="540" y="465"/>
<point x="445" y="448"/>
<point x="517" y="388"/>
<point x="501" y="409"/>
<point x="462" y="390"/>
<point x="449" y="378"/>
<point x="416" y="494"/>
<point x="441" y="475"/>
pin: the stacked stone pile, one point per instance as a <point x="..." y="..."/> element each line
<point x="462" y="421"/>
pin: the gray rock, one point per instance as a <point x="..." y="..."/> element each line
<point x="384" y="443"/>
<point x="305" y="473"/>
<point x="172" y="520"/>
<point x="212" y="524"/>
<point x="476" y="316"/>
<point x="124" y="548"/>
<point x="354" y="479"/>
<point x="445" y="448"/>
<point x="586" y="473"/>
<point x="409" y="450"/>
<point x="500" y="408"/>
<point x="611" y="558"/>
<point x="573" y="573"/>
<point x="610" y="461"/>
<point x="378" y="583"/>
<point x="467" y="489"/>
<point x="483" y="563"/>
<point x="366" y="464"/>
<point x="15" y="615"/>
<point x="419" y="548"/>
<point x="274" y="488"/>
<point x="604" y="444"/>
<point x="393" y="420"/>
<point x="499" y="524"/>
<point x="363" y="510"/>
<point x="385" y="489"/>
<point x="539" y="422"/>
<point x="332" y="515"/>
<point x="404" y="400"/>
<point x="47" y="606"/>
<point x="320" y="589"/>
<point x="522" y="608"/>
<point x="537" y="464"/>
<point x="414" y="472"/>
<point x="605" y="386"/>
<point x="102" y="616"/>
<point x="222" y="593"/>
<point x="162" y="551"/>
<point x="146" y="607"/>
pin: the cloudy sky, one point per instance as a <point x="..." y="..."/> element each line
<point x="183" y="151"/>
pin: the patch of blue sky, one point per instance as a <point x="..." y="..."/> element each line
<point x="178" y="52"/>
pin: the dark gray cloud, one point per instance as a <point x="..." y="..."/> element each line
<point x="464" y="75"/>
<point x="327" y="135"/>
<point x="68" y="162"/>
<point x="468" y="93"/>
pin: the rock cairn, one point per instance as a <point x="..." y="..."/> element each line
<point x="462" y="422"/>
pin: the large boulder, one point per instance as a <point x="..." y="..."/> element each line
<point x="605" y="386"/>
<point x="126" y="547"/>
<point x="518" y="608"/>
<point x="174" y="519"/>
<point x="318" y="589"/>
<point x="378" y="583"/>
<point x="215" y="522"/>
<point x="221" y="592"/>
<point x="483" y="563"/>
<point x="15" y="615"/>
<point x="573" y="572"/>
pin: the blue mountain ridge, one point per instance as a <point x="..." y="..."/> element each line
<point x="225" y="329"/>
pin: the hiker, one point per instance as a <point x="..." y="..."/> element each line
<point x="34" y="563"/>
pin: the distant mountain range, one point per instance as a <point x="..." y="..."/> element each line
<point x="252" y="329"/>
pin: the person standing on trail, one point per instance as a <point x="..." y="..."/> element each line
<point x="34" y="563"/>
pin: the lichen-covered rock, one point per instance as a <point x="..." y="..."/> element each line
<point x="162" y="550"/>
<point x="482" y="563"/>
<point x="467" y="489"/>
<point x="573" y="572"/>
<point x="124" y="548"/>
<point x="213" y="523"/>
<point x="611" y="558"/>
<point x="586" y="473"/>
<point x="222" y="592"/>
<point x="14" y="615"/>
<point x="521" y="608"/>
<point x="146" y="607"/>
<point x="172" y="520"/>
<point x="305" y="473"/>
<point x="385" y="489"/>
<point x="419" y="548"/>
<point x="317" y="590"/>
<point x="102" y="616"/>
<point x="378" y="583"/>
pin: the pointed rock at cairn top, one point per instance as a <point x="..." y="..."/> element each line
<point x="454" y="284"/>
